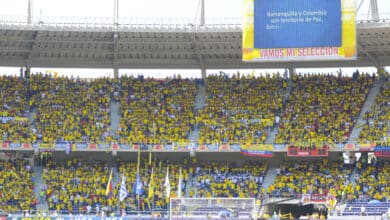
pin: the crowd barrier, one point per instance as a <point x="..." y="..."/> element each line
<point x="265" y="150"/>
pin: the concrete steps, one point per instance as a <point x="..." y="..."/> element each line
<point x="38" y="186"/>
<point x="369" y="103"/>
<point x="115" y="117"/>
<point x="200" y="100"/>
<point x="274" y="131"/>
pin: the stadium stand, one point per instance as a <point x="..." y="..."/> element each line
<point x="16" y="186"/>
<point x="373" y="181"/>
<point x="240" y="109"/>
<point x="376" y="127"/>
<point x="152" y="195"/>
<point x="69" y="109"/>
<point x="162" y="111"/>
<point x="322" y="109"/>
<point x="372" y="190"/>
<point x="74" y="187"/>
<point x="156" y="111"/>
<point x="323" y="178"/>
<point x="14" y="124"/>
<point x="227" y="180"/>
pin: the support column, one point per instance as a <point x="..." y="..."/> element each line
<point x="291" y="72"/>
<point x="203" y="72"/>
<point x="116" y="12"/>
<point x="374" y="10"/>
<point x="202" y="14"/>
<point x="27" y="72"/>
<point x="116" y="73"/>
<point x="29" y="11"/>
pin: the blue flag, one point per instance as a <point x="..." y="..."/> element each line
<point x="137" y="186"/>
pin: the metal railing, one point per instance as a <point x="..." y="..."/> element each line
<point x="142" y="21"/>
<point x="123" y="22"/>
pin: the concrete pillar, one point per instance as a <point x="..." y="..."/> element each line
<point x="291" y="72"/>
<point x="374" y="10"/>
<point x="27" y="72"/>
<point x="203" y="72"/>
<point x="116" y="73"/>
<point x="29" y="11"/>
<point x="202" y="14"/>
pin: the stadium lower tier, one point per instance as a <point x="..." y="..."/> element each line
<point x="88" y="187"/>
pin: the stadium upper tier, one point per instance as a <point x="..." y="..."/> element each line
<point x="215" y="45"/>
<point x="320" y="109"/>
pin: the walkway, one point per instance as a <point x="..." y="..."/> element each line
<point x="370" y="102"/>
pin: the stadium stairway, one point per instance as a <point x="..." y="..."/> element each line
<point x="200" y="100"/>
<point x="288" y="90"/>
<point x="116" y="178"/>
<point x="190" y="186"/>
<point x="369" y="103"/>
<point x="272" y="133"/>
<point x="271" y="172"/>
<point x="38" y="185"/>
<point x="114" y="117"/>
<point x="354" y="176"/>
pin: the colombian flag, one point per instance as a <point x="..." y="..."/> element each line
<point x="109" y="184"/>
<point x="151" y="185"/>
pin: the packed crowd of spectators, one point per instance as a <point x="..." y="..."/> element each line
<point x="73" y="186"/>
<point x="240" y="109"/>
<point x="14" y="125"/>
<point x="156" y="111"/>
<point x="153" y="193"/>
<point x="227" y="180"/>
<point x="16" y="186"/>
<point x="373" y="182"/>
<point x="69" y="109"/>
<point x="322" y="108"/>
<point x="377" y="120"/>
<point x="312" y="178"/>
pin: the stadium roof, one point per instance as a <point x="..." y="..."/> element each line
<point x="147" y="43"/>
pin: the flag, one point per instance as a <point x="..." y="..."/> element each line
<point x="109" y="184"/>
<point x="179" y="185"/>
<point x="123" y="190"/>
<point x="167" y="184"/>
<point x="138" y="186"/>
<point x="150" y="155"/>
<point x="151" y="185"/>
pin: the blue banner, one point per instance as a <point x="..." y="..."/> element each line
<point x="168" y="147"/>
<point x="62" y="144"/>
<point x="382" y="148"/>
<point x="14" y="145"/>
<point x="81" y="145"/>
<point x="124" y="146"/>
<point x="214" y="147"/>
<point x="235" y="146"/>
<point x="297" y="23"/>
<point x="102" y="146"/>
